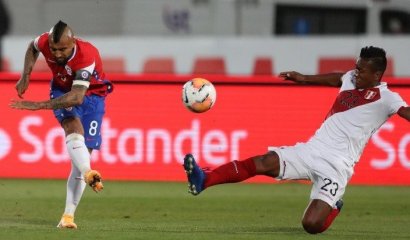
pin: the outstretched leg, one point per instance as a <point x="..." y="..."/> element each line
<point x="79" y="153"/>
<point x="232" y="172"/>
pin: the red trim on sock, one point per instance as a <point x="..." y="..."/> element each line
<point x="332" y="215"/>
<point x="231" y="172"/>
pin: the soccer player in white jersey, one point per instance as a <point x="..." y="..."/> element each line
<point x="364" y="103"/>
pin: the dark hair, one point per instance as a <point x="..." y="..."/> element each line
<point x="58" y="30"/>
<point x="376" y="55"/>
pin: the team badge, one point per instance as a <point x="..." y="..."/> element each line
<point x="84" y="74"/>
<point x="370" y="95"/>
<point x="68" y="69"/>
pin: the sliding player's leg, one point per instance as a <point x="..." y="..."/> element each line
<point x="329" y="184"/>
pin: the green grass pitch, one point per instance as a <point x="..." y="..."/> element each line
<point x="30" y="209"/>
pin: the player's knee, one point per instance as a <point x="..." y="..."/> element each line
<point x="74" y="137"/>
<point x="312" y="226"/>
<point x="268" y="164"/>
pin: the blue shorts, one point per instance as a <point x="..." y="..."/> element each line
<point x="90" y="112"/>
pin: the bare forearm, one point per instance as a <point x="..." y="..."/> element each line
<point x="330" y="79"/>
<point x="67" y="100"/>
<point x="73" y="98"/>
<point x="30" y="59"/>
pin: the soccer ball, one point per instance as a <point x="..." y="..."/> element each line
<point x="198" y="95"/>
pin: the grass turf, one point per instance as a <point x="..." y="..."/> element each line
<point x="30" y="209"/>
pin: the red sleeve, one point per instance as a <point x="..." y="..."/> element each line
<point x="41" y="42"/>
<point x="85" y="57"/>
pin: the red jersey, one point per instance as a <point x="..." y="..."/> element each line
<point x="85" y="57"/>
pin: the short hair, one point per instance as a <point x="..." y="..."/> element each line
<point x="58" y="30"/>
<point x="376" y="55"/>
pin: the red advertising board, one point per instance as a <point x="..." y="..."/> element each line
<point x="147" y="130"/>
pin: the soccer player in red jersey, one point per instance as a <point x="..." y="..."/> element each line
<point x="77" y="98"/>
<point x="364" y="103"/>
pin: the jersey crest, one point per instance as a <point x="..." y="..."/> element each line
<point x="68" y="69"/>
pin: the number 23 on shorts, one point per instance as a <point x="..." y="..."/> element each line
<point x="330" y="186"/>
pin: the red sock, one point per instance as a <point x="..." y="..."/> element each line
<point x="333" y="214"/>
<point x="231" y="172"/>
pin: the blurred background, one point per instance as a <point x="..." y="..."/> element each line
<point x="151" y="47"/>
<point x="218" y="36"/>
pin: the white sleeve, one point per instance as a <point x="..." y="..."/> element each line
<point x="394" y="102"/>
<point x="348" y="81"/>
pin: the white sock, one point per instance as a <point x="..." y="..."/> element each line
<point x="75" y="189"/>
<point x="78" y="152"/>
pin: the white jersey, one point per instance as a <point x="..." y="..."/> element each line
<point x="353" y="118"/>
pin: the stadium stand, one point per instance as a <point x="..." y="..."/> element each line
<point x="113" y="64"/>
<point x="336" y="64"/>
<point x="263" y="66"/>
<point x="342" y="64"/>
<point x="159" y="65"/>
<point x="5" y="65"/>
<point x="209" y="65"/>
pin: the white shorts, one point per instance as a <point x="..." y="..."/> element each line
<point x="302" y="161"/>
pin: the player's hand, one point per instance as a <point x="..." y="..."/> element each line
<point x="25" y="105"/>
<point x="293" y="76"/>
<point x="22" y="85"/>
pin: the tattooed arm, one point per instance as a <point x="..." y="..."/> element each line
<point x="72" y="98"/>
<point x="29" y="61"/>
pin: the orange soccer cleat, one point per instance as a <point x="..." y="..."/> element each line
<point x="93" y="178"/>
<point x="67" y="221"/>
